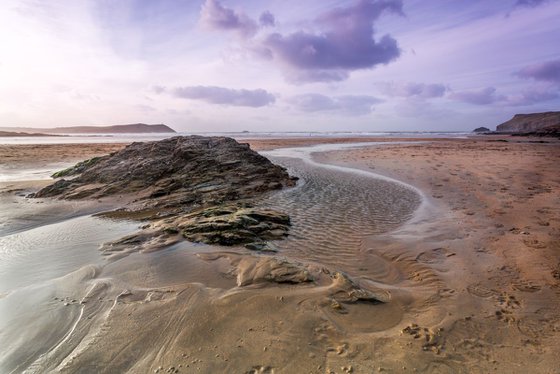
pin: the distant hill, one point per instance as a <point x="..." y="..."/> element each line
<point x="136" y="128"/>
<point x="5" y="134"/>
<point x="534" y="122"/>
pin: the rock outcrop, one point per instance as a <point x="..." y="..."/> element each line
<point x="481" y="129"/>
<point x="173" y="172"/>
<point x="197" y="188"/>
<point x="235" y="225"/>
<point x="534" y="122"/>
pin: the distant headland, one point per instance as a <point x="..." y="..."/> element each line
<point x="136" y="128"/>
<point x="532" y="123"/>
<point x="19" y="134"/>
<point x="545" y="124"/>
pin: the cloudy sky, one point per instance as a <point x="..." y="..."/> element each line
<point x="290" y="65"/>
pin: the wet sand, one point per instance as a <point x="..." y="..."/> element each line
<point x="469" y="284"/>
<point x="492" y="244"/>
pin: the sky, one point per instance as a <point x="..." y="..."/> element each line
<point x="291" y="65"/>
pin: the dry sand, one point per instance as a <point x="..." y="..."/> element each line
<point x="473" y="285"/>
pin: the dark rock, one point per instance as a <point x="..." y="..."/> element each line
<point x="174" y="170"/>
<point x="234" y="226"/>
<point x="185" y="186"/>
<point x="482" y="129"/>
<point x="76" y="169"/>
<point x="548" y="132"/>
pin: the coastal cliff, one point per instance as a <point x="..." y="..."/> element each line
<point x="533" y="122"/>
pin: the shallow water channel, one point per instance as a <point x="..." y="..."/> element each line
<point x="333" y="209"/>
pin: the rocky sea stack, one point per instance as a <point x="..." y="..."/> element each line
<point x="481" y="130"/>
<point x="199" y="188"/>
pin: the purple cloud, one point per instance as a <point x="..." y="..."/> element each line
<point x="348" y="104"/>
<point x="488" y="96"/>
<point x="217" y="17"/>
<point x="226" y="96"/>
<point x="313" y="102"/>
<point x="346" y="43"/>
<point x="309" y="76"/>
<point x="412" y="89"/>
<point x="530" y="97"/>
<point x="529" y="3"/>
<point x="267" y="19"/>
<point x="548" y="71"/>
<point x="482" y="96"/>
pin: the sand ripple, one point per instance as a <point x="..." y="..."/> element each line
<point x="333" y="212"/>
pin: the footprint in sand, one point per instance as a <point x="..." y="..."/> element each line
<point x="526" y="286"/>
<point x="541" y="324"/>
<point x="509" y="301"/>
<point x="534" y="243"/>
<point x="479" y="290"/>
<point x="434" y="256"/>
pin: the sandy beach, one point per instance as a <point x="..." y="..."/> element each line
<point x="276" y="187"/>
<point x="494" y="246"/>
<point x="462" y="277"/>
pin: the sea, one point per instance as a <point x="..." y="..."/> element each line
<point x="125" y="138"/>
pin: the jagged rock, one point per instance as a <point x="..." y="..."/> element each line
<point x="77" y="169"/>
<point x="184" y="185"/>
<point x="223" y="225"/>
<point x="174" y="171"/>
<point x="233" y="226"/>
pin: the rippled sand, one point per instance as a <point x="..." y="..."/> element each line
<point x="333" y="211"/>
<point x="400" y="284"/>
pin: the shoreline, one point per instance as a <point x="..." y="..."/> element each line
<point x="470" y="274"/>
